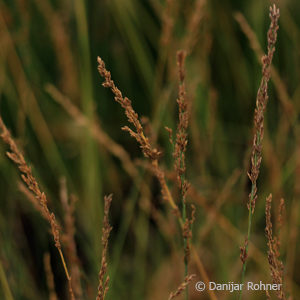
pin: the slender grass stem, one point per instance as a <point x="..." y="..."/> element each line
<point x="6" y="289"/>
<point x="185" y="249"/>
<point x="250" y="215"/>
<point x="64" y="264"/>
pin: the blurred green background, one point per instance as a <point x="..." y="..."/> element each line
<point x="47" y="45"/>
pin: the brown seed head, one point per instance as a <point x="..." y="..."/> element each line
<point x="182" y="286"/>
<point x="261" y="103"/>
<point x="276" y="266"/>
<point x="131" y="115"/>
<point x="106" y="229"/>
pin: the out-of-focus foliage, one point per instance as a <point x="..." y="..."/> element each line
<point x="56" y="43"/>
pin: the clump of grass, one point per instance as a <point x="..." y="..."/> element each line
<point x="261" y="103"/>
<point x="200" y="192"/>
<point x="26" y="174"/>
<point x="153" y="154"/>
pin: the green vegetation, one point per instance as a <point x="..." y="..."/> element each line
<point x="69" y="128"/>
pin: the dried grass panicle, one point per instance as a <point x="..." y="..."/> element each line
<point x="131" y="115"/>
<point x="179" y="159"/>
<point x="106" y="229"/>
<point x="26" y="174"/>
<point x="256" y="154"/>
<point x="180" y="150"/>
<point x="158" y="172"/>
<point x="276" y="265"/>
<point x="181" y="133"/>
<point x="278" y="82"/>
<point x="31" y="198"/>
<point x="152" y="153"/>
<point x="261" y="103"/>
<point x="17" y="157"/>
<point x="182" y="287"/>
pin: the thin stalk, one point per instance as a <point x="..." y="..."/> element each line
<point x="250" y="215"/>
<point x="248" y="237"/>
<point x="6" y="289"/>
<point x="152" y="153"/>
<point x="64" y="264"/>
<point x="185" y="249"/>
<point x="124" y="227"/>
<point x="91" y="173"/>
